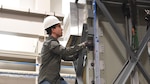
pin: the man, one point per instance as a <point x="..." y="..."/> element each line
<point x="52" y="53"/>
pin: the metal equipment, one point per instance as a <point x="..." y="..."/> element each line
<point x="130" y="63"/>
<point x="131" y="43"/>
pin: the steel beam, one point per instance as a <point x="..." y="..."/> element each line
<point x="96" y="46"/>
<point x="116" y="28"/>
<point x="120" y="3"/>
<point x="130" y="64"/>
<point x="145" y="74"/>
<point x="143" y="1"/>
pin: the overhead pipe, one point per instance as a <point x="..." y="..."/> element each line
<point x="29" y="75"/>
<point x="120" y="3"/>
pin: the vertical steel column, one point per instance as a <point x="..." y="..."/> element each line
<point x="96" y="46"/>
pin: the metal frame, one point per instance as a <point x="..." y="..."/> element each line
<point x="96" y="46"/>
<point x="130" y="63"/>
<point x="82" y="55"/>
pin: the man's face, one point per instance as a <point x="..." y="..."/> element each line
<point x="57" y="30"/>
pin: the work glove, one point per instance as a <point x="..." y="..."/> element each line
<point x="147" y="17"/>
<point x="89" y="44"/>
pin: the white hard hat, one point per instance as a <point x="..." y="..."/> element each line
<point x="50" y="21"/>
